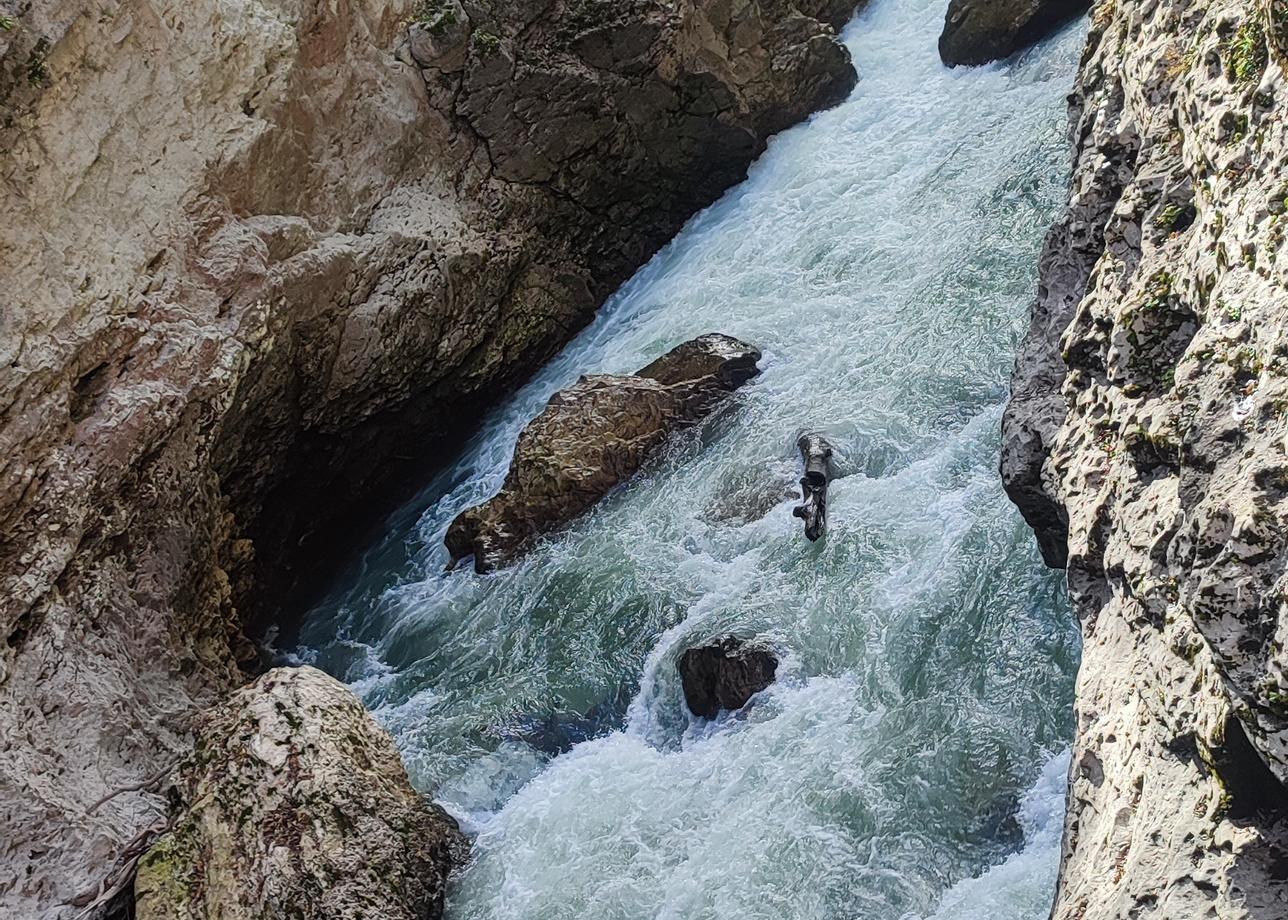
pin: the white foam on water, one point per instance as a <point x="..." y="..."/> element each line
<point x="1023" y="885"/>
<point x="883" y="256"/>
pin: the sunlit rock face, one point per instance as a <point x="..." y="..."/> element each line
<point x="1147" y="443"/>
<point x="252" y="251"/>
<point x="295" y="803"/>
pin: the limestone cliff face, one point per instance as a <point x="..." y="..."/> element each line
<point x="256" y="254"/>
<point x="1147" y="442"/>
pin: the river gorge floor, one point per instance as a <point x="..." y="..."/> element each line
<point x="910" y="760"/>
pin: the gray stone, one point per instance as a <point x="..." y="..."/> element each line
<point x="440" y="41"/>
<point x="295" y="803"/>
<point x="1145" y="442"/>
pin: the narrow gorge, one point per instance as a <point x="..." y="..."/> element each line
<point x="908" y="758"/>
<point x="384" y="533"/>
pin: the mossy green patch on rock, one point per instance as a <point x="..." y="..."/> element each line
<point x="1247" y="57"/>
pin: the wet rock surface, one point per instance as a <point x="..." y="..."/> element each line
<point x="591" y="437"/>
<point x="1147" y="443"/>
<point x="980" y="31"/>
<point x="725" y="675"/>
<point x="295" y="803"/>
<point x="241" y="276"/>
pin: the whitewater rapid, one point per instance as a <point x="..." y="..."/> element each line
<point x="909" y="762"/>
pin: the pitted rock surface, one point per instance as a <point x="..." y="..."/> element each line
<point x="295" y="803"/>
<point x="1147" y="443"/>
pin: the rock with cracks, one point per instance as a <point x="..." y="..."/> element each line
<point x="295" y="804"/>
<point x="1147" y="442"/>
<point x="725" y="675"/>
<point x="979" y="31"/>
<point x="592" y="436"/>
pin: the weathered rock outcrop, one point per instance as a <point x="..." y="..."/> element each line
<point x="252" y="249"/>
<point x="591" y="437"/>
<point x="295" y="803"/>
<point x="1149" y="447"/>
<point x="979" y="31"/>
<point x="725" y="675"/>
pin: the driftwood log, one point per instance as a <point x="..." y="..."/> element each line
<point x="817" y="454"/>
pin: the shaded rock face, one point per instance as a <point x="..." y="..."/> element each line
<point x="295" y="803"/>
<point x="979" y="31"/>
<point x="591" y="437"/>
<point x="1148" y="443"/>
<point x="239" y="277"/>
<point x="725" y="675"/>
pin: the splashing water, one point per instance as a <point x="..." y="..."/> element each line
<point x="907" y="762"/>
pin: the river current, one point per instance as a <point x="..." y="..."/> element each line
<point x="910" y="760"/>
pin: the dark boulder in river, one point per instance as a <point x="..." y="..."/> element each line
<point x="591" y="437"/>
<point x="725" y="675"/>
<point x="979" y="31"/>
<point x="295" y="803"/>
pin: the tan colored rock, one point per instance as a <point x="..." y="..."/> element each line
<point x="1148" y="436"/>
<point x="295" y="803"/>
<point x="248" y="253"/>
<point x="591" y="437"/>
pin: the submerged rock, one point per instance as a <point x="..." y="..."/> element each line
<point x="979" y="31"/>
<point x="295" y="804"/>
<point x="592" y="436"/>
<point x="557" y="733"/>
<point x="725" y="675"/>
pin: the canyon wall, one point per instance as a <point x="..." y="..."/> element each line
<point x="1147" y="444"/>
<point x="260" y="259"/>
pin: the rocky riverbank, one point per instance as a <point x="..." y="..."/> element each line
<point x="1147" y="444"/>
<point x="259" y="258"/>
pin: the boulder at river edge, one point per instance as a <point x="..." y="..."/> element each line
<point x="592" y="436"/>
<point x="725" y="675"/>
<point x="253" y="253"/>
<point x="295" y="804"/>
<point x="979" y="31"/>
